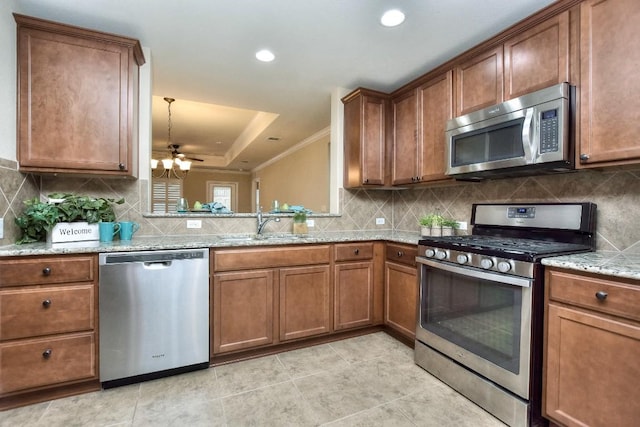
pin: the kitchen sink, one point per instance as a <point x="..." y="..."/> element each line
<point x="259" y="237"/>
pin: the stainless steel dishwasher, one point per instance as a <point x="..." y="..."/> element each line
<point x="154" y="314"/>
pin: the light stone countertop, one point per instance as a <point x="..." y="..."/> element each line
<point x="208" y="241"/>
<point x="608" y="263"/>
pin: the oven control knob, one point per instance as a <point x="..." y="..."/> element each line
<point x="486" y="263"/>
<point x="504" y="266"/>
<point x="429" y="253"/>
<point x="462" y="258"/>
<point x="441" y="254"/>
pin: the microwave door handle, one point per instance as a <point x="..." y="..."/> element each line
<point x="530" y="151"/>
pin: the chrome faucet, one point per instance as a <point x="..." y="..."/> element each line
<point x="263" y="222"/>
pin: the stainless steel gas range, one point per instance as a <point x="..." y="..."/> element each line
<point x="480" y="320"/>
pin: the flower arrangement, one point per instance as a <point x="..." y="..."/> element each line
<point x="39" y="218"/>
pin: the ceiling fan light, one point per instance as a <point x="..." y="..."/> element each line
<point x="392" y="18"/>
<point x="167" y="163"/>
<point x="154" y="163"/>
<point x="185" y="165"/>
<point x="265" y="55"/>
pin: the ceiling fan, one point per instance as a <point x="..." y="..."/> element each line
<point x="175" y="153"/>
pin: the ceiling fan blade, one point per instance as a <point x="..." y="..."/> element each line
<point x="193" y="158"/>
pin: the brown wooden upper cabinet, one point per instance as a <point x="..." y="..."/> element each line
<point x="534" y="59"/>
<point x="77" y="100"/>
<point x="364" y="138"/>
<point x="405" y="138"/>
<point x="610" y="83"/>
<point x="419" y="119"/>
<point x="479" y="82"/>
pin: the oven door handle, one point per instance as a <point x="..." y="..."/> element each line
<point x="478" y="274"/>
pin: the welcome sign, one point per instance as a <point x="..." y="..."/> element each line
<point x="73" y="232"/>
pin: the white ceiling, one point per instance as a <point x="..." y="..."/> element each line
<point x="203" y="53"/>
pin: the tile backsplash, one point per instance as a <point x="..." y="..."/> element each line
<point x="616" y="192"/>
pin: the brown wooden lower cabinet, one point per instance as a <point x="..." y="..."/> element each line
<point x="305" y="301"/>
<point x="401" y="298"/>
<point x="243" y="310"/>
<point x="592" y="349"/>
<point x="401" y="289"/>
<point x="48" y="336"/>
<point x="353" y="305"/>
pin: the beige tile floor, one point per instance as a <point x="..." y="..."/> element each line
<point x="364" y="381"/>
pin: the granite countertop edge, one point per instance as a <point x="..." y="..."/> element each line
<point x="207" y="241"/>
<point x="608" y="263"/>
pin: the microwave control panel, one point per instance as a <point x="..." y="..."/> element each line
<point x="549" y="131"/>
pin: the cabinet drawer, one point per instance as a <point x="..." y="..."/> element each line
<point x="606" y="296"/>
<point x="41" y="311"/>
<point x="243" y="259"/>
<point x="47" y="270"/>
<point x="402" y="254"/>
<point x="354" y="251"/>
<point x="42" y="362"/>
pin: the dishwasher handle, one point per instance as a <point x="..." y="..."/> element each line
<point x="156" y="265"/>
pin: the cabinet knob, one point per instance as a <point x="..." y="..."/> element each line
<point x="400" y="254"/>
<point x="356" y="251"/>
<point x="121" y="166"/>
<point x="366" y="180"/>
<point x="47" y="353"/>
<point x="601" y="295"/>
<point x="46" y="271"/>
<point x="584" y="157"/>
<point x="46" y="303"/>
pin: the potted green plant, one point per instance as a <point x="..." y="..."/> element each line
<point x="449" y="226"/>
<point x="300" y="223"/>
<point x="431" y="224"/>
<point x="39" y="218"/>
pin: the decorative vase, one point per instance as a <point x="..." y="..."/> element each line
<point x="448" y="231"/>
<point x="300" y="228"/>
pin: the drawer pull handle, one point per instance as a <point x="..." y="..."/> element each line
<point x="47" y="353"/>
<point x="601" y="295"/>
<point x="357" y="251"/>
<point x="400" y="254"/>
<point x="46" y="271"/>
<point x="46" y="303"/>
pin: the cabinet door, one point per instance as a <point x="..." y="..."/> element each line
<point x="242" y="310"/>
<point x="401" y="298"/>
<point x="405" y="139"/>
<point x="609" y="101"/>
<point x="364" y="139"/>
<point x="479" y="82"/>
<point x="304" y="302"/>
<point x="537" y="58"/>
<point x="76" y="101"/>
<point x="591" y="369"/>
<point x="436" y="107"/>
<point x="353" y="304"/>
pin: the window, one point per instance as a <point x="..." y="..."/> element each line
<point x="165" y="193"/>
<point x="223" y="192"/>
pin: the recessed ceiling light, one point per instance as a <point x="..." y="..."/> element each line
<point x="392" y="18"/>
<point x="265" y="55"/>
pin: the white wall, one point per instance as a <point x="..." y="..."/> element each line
<point x="8" y="80"/>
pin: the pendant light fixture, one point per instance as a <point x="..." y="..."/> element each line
<point x="172" y="166"/>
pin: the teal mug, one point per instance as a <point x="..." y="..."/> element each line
<point x="128" y="229"/>
<point x="107" y="230"/>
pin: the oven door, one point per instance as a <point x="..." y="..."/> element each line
<point x="482" y="320"/>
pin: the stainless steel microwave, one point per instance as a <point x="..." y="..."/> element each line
<point x="523" y="136"/>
